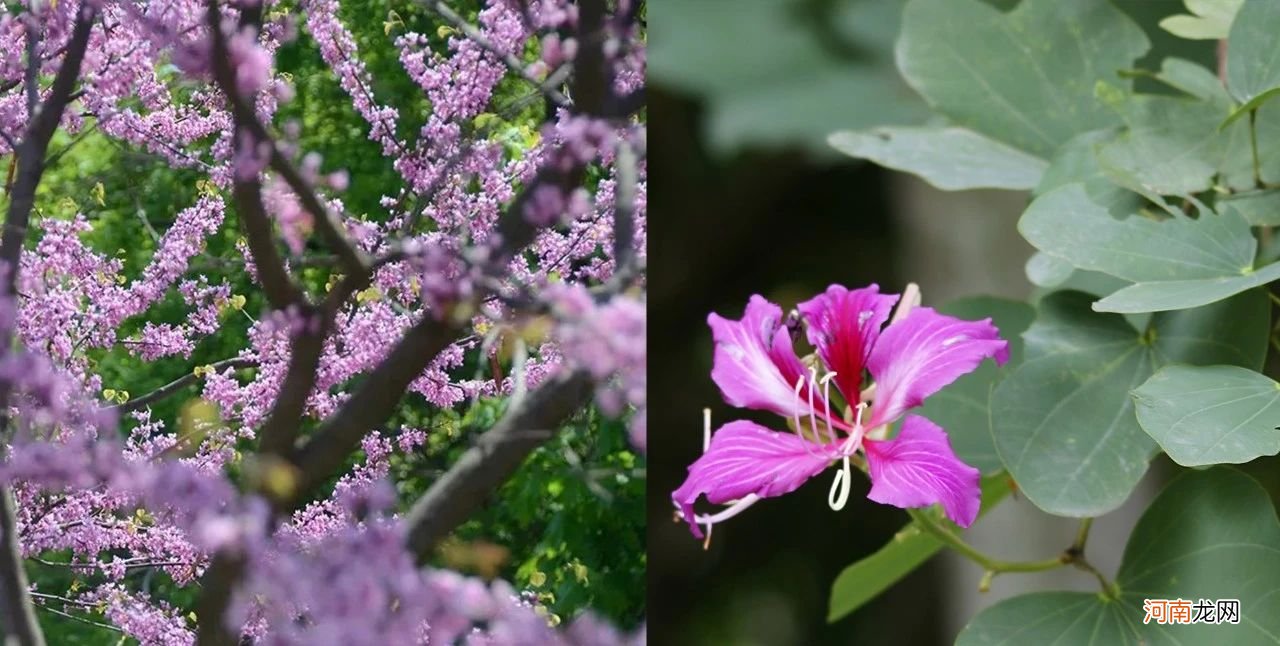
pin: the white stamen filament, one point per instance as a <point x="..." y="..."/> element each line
<point x="728" y="512"/>
<point x="796" y="417"/>
<point x="839" y="494"/>
<point x="706" y="429"/>
<point x="813" y="414"/>
<point x="826" y="399"/>
<point x="909" y="301"/>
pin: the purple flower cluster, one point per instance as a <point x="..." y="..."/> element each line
<point x="609" y="341"/>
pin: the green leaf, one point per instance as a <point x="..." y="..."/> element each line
<point x="1172" y="145"/>
<point x="1180" y="294"/>
<point x="1209" y="535"/>
<point x="1044" y="270"/>
<point x="1176" y="263"/>
<point x="1259" y="208"/>
<point x="1253" y="59"/>
<point x="1176" y="145"/>
<point x="952" y="159"/>
<point x="1067" y="224"/>
<point x="867" y="578"/>
<point x="1093" y="282"/>
<point x="1063" y="421"/>
<point x="1210" y="415"/>
<point x="1192" y="78"/>
<point x="1017" y="77"/>
<point x="1077" y="162"/>
<point x="909" y="549"/>
<point x="1076" y="618"/>
<point x="1210" y="19"/>
<point x="741" y="57"/>
<point x="962" y="407"/>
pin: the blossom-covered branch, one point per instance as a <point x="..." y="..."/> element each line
<point x="178" y="384"/>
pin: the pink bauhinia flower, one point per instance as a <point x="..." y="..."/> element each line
<point x="917" y="354"/>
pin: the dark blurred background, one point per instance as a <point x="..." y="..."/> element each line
<point x="747" y="198"/>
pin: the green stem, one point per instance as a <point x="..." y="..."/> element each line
<point x="1073" y="555"/>
<point x="929" y="524"/>
<point x="1082" y="535"/>
<point x="1253" y="144"/>
<point x="1109" y="589"/>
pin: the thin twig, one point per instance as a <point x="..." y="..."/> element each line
<point x="83" y="620"/>
<point x="178" y="384"/>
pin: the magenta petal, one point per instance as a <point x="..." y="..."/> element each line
<point x="755" y="363"/>
<point x="746" y="458"/>
<point x="922" y="353"/>
<point x="918" y="468"/>
<point x="843" y="325"/>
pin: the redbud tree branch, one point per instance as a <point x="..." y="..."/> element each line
<point x="280" y="430"/>
<point x="281" y="427"/>
<point x="531" y="422"/>
<point x="279" y="287"/>
<point x="464" y="488"/>
<point x="178" y="384"/>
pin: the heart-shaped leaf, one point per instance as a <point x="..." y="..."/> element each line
<point x="1209" y="19"/>
<point x="1259" y="208"/>
<point x="1172" y="145"/>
